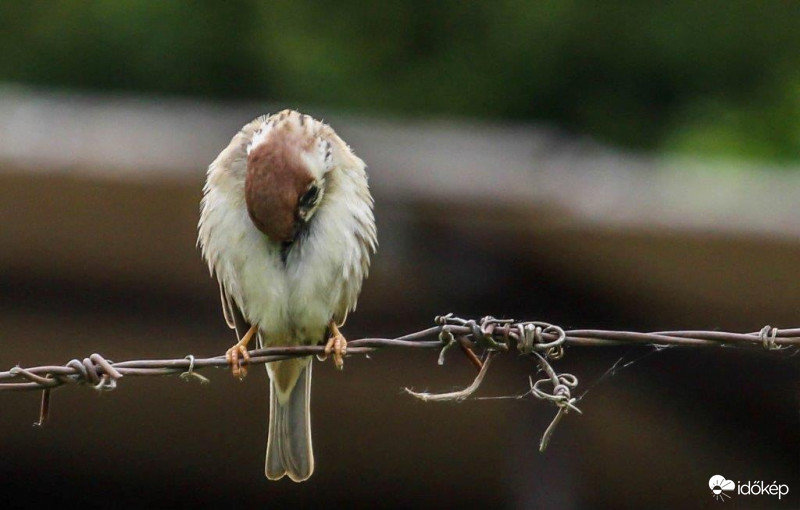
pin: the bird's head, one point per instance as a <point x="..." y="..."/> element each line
<point x="287" y="163"/>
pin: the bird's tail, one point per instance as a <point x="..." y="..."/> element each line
<point x="289" y="450"/>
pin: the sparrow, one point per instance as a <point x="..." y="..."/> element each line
<point x="287" y="228"/>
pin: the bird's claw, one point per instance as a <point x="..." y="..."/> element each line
<point x="337" y="344"/>
<point x="239" y="370"/>
<point x="232" y="355"/>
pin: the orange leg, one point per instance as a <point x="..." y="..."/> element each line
<point x="337" y="343"/>
<point x="240" y="348"/>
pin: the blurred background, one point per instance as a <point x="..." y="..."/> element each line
<point x="629" y="165"/>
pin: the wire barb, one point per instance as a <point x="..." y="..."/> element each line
<point x="561" y="396"/>
<point x="191" y="374"/>
<point x="456" y="396"/>
<point x="768" y="334"/>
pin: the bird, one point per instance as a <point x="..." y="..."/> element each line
<point x="287" y="229"/>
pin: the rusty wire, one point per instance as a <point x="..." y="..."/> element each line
<point x="488" y="336"/>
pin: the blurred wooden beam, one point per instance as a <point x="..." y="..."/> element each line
<point x="106" y="189"/>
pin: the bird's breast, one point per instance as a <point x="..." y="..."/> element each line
<point x="291" y="300"/>
<point x="291" y="296"/>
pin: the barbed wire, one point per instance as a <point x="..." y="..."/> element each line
<point x="479" y="340"/>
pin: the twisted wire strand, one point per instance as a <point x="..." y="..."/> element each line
<point x="489" y="336"/>
<point x="488" y="333"/>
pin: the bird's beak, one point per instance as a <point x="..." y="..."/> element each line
<point x="297" y="228"/>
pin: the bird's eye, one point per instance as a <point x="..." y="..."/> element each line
<point x="309" y="197"/>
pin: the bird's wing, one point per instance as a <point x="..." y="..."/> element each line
<point x="233" y="316"/>
<point x="366" y="243"/>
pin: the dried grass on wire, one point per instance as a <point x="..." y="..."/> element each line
<point x="479" y="340"/>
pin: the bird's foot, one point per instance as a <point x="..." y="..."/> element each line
<point x="337" y="344"/>
<point x="239" y="370"/>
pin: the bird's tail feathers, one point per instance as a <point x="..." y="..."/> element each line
<point x="289" y="450"/>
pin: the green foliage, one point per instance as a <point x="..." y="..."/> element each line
<point x="715" y="77"/>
